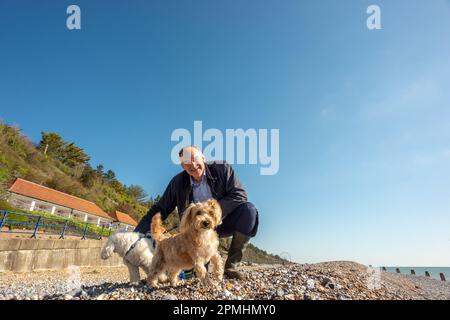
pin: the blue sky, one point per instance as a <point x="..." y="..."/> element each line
<point x="363" y="115"/>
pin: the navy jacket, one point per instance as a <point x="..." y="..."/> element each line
<point x="225" y="188"/>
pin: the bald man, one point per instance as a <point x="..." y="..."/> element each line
<point x="200" y="181"/>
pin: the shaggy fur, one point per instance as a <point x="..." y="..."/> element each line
<point x="196" y="244"/>
<point x="140" y="256"/>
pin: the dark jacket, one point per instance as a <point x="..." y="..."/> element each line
<point x="224" y="184"/>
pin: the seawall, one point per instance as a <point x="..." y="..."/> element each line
<point x="25" y="255"/>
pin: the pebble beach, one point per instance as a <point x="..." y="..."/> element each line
<point x="338" y="280"/>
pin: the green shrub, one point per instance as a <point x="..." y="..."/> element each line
<point x="3" y="160"/>
<point x="4" y="205"/>
<point x="4" y="175"/>
<point x="48" y="222"/>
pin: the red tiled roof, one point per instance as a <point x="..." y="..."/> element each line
<point x="34" y="190"/>
<point x="124" y="218"/>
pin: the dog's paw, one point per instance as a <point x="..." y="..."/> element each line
<point x="174" y="283"/>
<point x="219" y="276"/>
<point x="208" y="282"/>
<point x="163" y="278"/>
<point x="152" y="283"/>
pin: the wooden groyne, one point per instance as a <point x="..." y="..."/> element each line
<point x="413" y="272"/>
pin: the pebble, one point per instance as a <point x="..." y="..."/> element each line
<point x="102" y="296"/>
<point x="310" y="284"/>
<point x="227" y="293"/>
<point x="337" y="280"/>
<point x="75" y="292"/>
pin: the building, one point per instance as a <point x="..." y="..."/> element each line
<point x="31" y="196"/>
<point x="123" y="221"/>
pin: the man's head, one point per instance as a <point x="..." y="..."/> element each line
<point x="193" y="162"/>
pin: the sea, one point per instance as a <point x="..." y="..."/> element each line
<point x="420" y="271"/>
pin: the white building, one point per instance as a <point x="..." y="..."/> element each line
<point x="31" y="196"/>
<point x="123" y="221"/>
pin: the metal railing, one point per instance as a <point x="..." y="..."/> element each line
<point x="34" y="224"/>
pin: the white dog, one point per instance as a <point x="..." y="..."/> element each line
<point x="135" y="249"/>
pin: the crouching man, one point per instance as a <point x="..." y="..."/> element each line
<point x="199" y="182"/>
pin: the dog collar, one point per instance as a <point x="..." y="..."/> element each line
<point x="134" y="244"/>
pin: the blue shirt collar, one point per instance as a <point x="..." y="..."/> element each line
<point x="194" y="183"/>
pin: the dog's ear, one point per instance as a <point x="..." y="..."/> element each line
<point x="156" y="227"/>
<point x="185" y="218"/>
<point x="214" y="205"/>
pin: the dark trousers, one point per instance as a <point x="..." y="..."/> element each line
<point x="244" y="219"/>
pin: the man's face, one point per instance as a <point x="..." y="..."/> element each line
<point x="193" y="162"/>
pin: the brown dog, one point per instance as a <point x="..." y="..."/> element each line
<point x="196" y="244"/>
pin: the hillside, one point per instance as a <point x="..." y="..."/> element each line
<point x="19" y="157"/>
<point x="64" y="166"/>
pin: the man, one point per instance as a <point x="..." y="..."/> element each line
<point x="199" y="182"/>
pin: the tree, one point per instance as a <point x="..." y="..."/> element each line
<point x="125" y="207"/>
<point x="68" y="153"/>
<point x="73" y="155"/>
<point x="116" y="185"/>
<point x="100" y="169"/>
<point x="109" y="176"/>
<point x="137" y="193"/>
<point x="51" y="144"/>
<point x="88" y="176"/>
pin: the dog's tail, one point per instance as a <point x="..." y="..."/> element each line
<point x="157" y="228"/>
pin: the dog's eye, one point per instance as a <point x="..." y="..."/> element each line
<point x="198" y="213"/>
